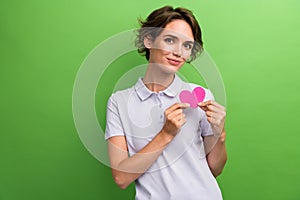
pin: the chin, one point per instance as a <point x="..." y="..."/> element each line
<point x="171" y="69"/>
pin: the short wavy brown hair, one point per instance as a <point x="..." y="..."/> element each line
<point x="158" y="20"/>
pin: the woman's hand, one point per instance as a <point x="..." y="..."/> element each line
<point x="175" y="118"/>
<point x="215" y="115"/>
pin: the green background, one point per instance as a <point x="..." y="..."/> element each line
<point x="254" y="43"/>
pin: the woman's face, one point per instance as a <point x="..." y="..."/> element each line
<point x="173" y="46"/>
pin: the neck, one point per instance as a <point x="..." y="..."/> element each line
<point x="156" y="79"/>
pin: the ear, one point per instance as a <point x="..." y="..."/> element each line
<point x="148" y="41"/>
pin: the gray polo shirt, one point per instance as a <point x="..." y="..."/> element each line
<point x="181" y="172"/>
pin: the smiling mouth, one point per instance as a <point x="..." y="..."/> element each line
<point x="173" y="61"/>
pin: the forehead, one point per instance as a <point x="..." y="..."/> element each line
<point x="180" y="29"/>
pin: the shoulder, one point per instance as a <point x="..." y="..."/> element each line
<point x="120" y="95"/>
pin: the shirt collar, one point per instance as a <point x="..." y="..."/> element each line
<point x="141" y="89"/>
<point x="174" y="88"/>
<point x="143" y="92"/>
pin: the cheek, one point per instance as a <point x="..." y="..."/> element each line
<point x="166" y="52"/>
<point x="186" y="54"/>
<point x="159" y="52"/>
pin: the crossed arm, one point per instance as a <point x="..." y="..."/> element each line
<point x="126" y="169"/>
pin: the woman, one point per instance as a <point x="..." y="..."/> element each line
<point x="170" y="150"/>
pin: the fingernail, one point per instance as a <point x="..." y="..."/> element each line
<point x="200" y="104"/>
<point x="187" y="105"/>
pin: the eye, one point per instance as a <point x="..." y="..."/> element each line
<point x="169" y="40"/>
<point x="188" y="46"/>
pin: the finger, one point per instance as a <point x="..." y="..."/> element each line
<point x="177" y="106"/>
<point x="184" y="105"/>
<point x="178" y="122"/>
<point x="182" y="122"/>
<point x="212" y="114"/>
<point x="175" y="113"/>
<point x="220" y="116"/>
<point x="205" y="103"/>
<point x="211" y="102"/>
<point x="214" y="121"/>
<point x="218" y="105"/>
<point x="205" y="108"/>
<point x="177" y="118"/>
<point x="213" y="108"/>
<point x="180" y="117"/>
<point x="219" y="113"/>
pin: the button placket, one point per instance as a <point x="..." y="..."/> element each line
<point x="159" y="97"/>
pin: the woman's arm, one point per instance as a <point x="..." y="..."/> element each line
<point x="215" y="144"/>
<point x="217" y="156"/>
<point x="126" y="169"/>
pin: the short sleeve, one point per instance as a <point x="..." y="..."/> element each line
<point x="113" y="122"/>
<point x="208" y="95"/>
<point x="205" y="126"/>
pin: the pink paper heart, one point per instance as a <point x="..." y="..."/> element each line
<point x="192" y="98"/>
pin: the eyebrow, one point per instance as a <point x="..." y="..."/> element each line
<point x="175" y="37"/>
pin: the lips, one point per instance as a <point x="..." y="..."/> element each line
<point x="174" y="62"/>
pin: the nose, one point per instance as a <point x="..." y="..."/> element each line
<point x="177" y="51"/>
